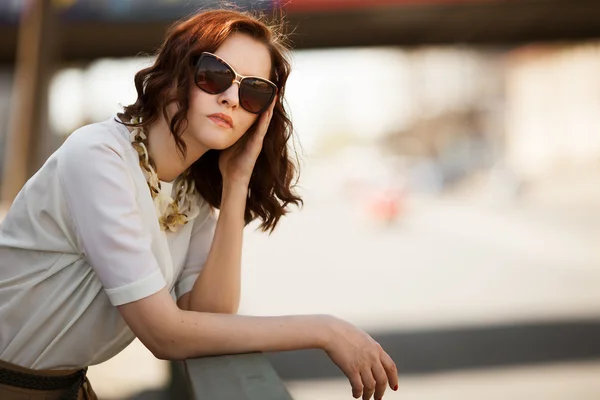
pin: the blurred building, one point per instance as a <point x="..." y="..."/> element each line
<point x="553" y="108"/>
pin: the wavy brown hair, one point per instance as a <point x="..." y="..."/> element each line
<point x="169" y="80"/>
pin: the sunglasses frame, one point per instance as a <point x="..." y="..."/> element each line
<point x="237" y="79"/>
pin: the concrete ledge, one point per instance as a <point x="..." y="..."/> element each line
<point x="240" y="377"/>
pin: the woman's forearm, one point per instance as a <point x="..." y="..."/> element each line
<point x="174" y="334"/>
<point x="218" y="286"/>
<point x="206" y="334"/>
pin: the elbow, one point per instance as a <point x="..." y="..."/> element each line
<point x="230" y="309"/>
<point x="216" y="308"/>
<point x="159" y="325"/>
<point x="165" y="355"/>
<point x="165" y="344"/>
<point x="167" y="350"/>
<point x="160" y="354"/>
<point x="213" y="303"/>
<point x="161" y="350"/>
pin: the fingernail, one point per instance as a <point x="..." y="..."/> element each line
<point x="395" y="388"/>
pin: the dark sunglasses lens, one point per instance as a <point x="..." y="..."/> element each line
<point x="256" y="94"/>
<point x="213" y="76"/>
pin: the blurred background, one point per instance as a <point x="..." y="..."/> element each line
<point x="450" y="154"/>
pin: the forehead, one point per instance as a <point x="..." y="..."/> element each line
<point x="246" y="55"/>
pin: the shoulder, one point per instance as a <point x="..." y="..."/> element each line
<point x="94" y="144"/>
<point x="107" y="135"/>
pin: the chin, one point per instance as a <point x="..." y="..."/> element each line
<point x="216" y="140"/>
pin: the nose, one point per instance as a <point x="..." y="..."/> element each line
<point x="230" y="97"/>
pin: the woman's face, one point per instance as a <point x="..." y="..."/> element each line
<point x="206" y="129"/>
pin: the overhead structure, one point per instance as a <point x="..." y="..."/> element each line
<point x="26" y="142"/>
<point x="117" y="28"/>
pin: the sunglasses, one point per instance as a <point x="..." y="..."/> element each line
<point x="213" y="75"/>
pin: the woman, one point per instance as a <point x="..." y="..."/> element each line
<point x="115" y="238"/>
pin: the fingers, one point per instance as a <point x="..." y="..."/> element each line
<point x="273" y="103"/>
<point x="381" y="379"/>
<point x="375" y="380"/>
<point x="390" y="370"/>
<point x="266" y="119"/>
<point x="369" y="384"/>
<point x="357" y="385"/>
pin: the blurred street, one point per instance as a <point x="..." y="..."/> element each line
<point x="457" y="261"/>
<point x="448" y="261"/>
<point x="555" y="382"/>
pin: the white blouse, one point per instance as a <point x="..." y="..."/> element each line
<point x="82" y="237"/>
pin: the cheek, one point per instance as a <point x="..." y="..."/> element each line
<point x="243" y="124"/>
<point x="198" y="101"/>
<point x="247" y="121"/>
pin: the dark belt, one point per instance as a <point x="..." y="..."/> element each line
<point x="72" y="382"/>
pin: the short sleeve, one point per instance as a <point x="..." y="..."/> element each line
<point x="200" y="242"/>
<point x="110" y="230"/>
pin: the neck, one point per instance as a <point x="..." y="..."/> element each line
<point x="167" y="157"/>
<point x="162" y="149"/>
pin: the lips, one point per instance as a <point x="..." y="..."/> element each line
<point x="222" y="120"/>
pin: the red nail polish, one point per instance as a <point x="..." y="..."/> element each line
<point x="395" y="388"/>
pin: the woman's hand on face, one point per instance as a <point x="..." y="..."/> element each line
<point x="368" y="367"/>
<point x="236" y="163"/>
